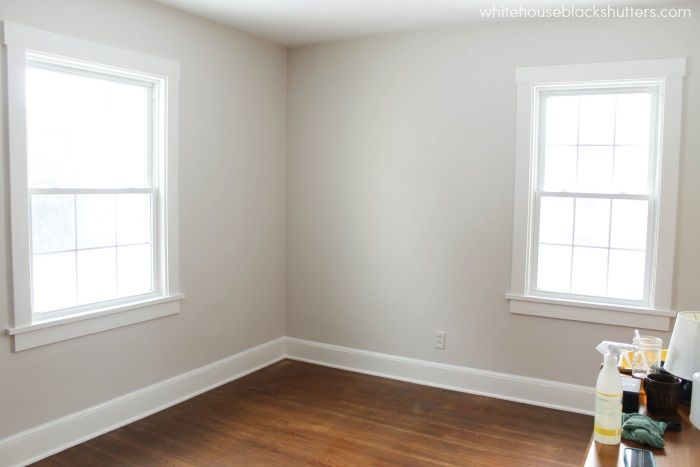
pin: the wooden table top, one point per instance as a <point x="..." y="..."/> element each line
<point x="682" y="447"/>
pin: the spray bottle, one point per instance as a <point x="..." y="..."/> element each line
<point x="608" y="394"/>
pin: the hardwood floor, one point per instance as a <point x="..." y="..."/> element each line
<point x="294" y="413"/>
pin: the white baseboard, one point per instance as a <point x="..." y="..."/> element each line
<point x="52" y="437"/>
<point x="552" y="394"/>
<point x="42" y="441"/>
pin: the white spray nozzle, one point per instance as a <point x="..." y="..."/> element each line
<point x="614" y="348"/>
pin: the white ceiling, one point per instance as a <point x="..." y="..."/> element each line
<point x="295" y="22"/>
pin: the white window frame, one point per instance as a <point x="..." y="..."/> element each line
<point x="33" y="330"/>
<point x="654" y="312"/>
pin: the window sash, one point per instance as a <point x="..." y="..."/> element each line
<point x="538" y="137"/>
<point x="573" y="90"/>
<point x="153" y="243"/>
<point x="648" y="250"/>
<point x="71" y="67"/>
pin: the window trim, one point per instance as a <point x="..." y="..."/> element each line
<point x="20" y="42"/>
<point x="670" y="73"/>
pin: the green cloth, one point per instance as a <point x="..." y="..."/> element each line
<point x="642" y="429"/>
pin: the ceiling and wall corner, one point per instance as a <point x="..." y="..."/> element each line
<point x="302" y="22"/>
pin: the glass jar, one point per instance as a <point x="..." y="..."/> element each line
<point x="647" y="358"/>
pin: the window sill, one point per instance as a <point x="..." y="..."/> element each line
<point x="642" y="318"/>
<point x="59" y="329"/>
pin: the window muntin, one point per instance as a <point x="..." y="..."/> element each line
<point x="92" y="186"/>
<point x="594" y="200"/>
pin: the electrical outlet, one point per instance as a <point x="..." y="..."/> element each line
<point x="440" y="337"/>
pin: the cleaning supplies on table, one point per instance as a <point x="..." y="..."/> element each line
<point x="608" y="394"/>
<point x="642" y="429"/>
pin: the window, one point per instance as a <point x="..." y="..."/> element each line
<point x="596" y="190"/>
<point x="93" y="183"/>
<point x="595" y="193"/>
<point x="92" y="188"/>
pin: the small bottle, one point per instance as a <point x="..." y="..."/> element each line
<point x="608" y="395"/>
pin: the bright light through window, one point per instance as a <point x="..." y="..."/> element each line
<point x="595" y="193"/>
<point x="91" y="186"/>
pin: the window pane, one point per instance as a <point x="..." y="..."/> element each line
<point x="554" y="268"/>
<point x="561" y="114"/>
<point x="629" y="224"/>
<point x="626" y="275"/>
<point x="134" y="274"/>
<point x="560" y="168"/>
<point x="632" y="169"/>
<point x="589" y="272"/>
<point x="556" y="220"/>
<point x="595" y="168"/>
<point x="53" y="281"/>
<point x="597" y="119"/>
<point x="84" y="131"/>
<point x="97" y="275"/>
<point x="53" y="223"/>
<point x="133" y="218"/>
<point x="633" y="120"/>
<point x="96" y="220"/>
<point x="592" y="222"/>
<point x="50" y="161"/>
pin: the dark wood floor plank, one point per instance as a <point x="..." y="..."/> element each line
<point x="294" y="413"/>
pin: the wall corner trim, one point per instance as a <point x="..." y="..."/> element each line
<point x="57" y="435"/>
<point x="533" y="391"/>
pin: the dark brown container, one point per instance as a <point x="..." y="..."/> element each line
<point x="662" y="393"/>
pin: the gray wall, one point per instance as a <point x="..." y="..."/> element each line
<point x="231" y="213"/>
<point x="400" y="190"/>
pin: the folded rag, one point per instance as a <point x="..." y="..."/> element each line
<point x="642" y="429"/>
